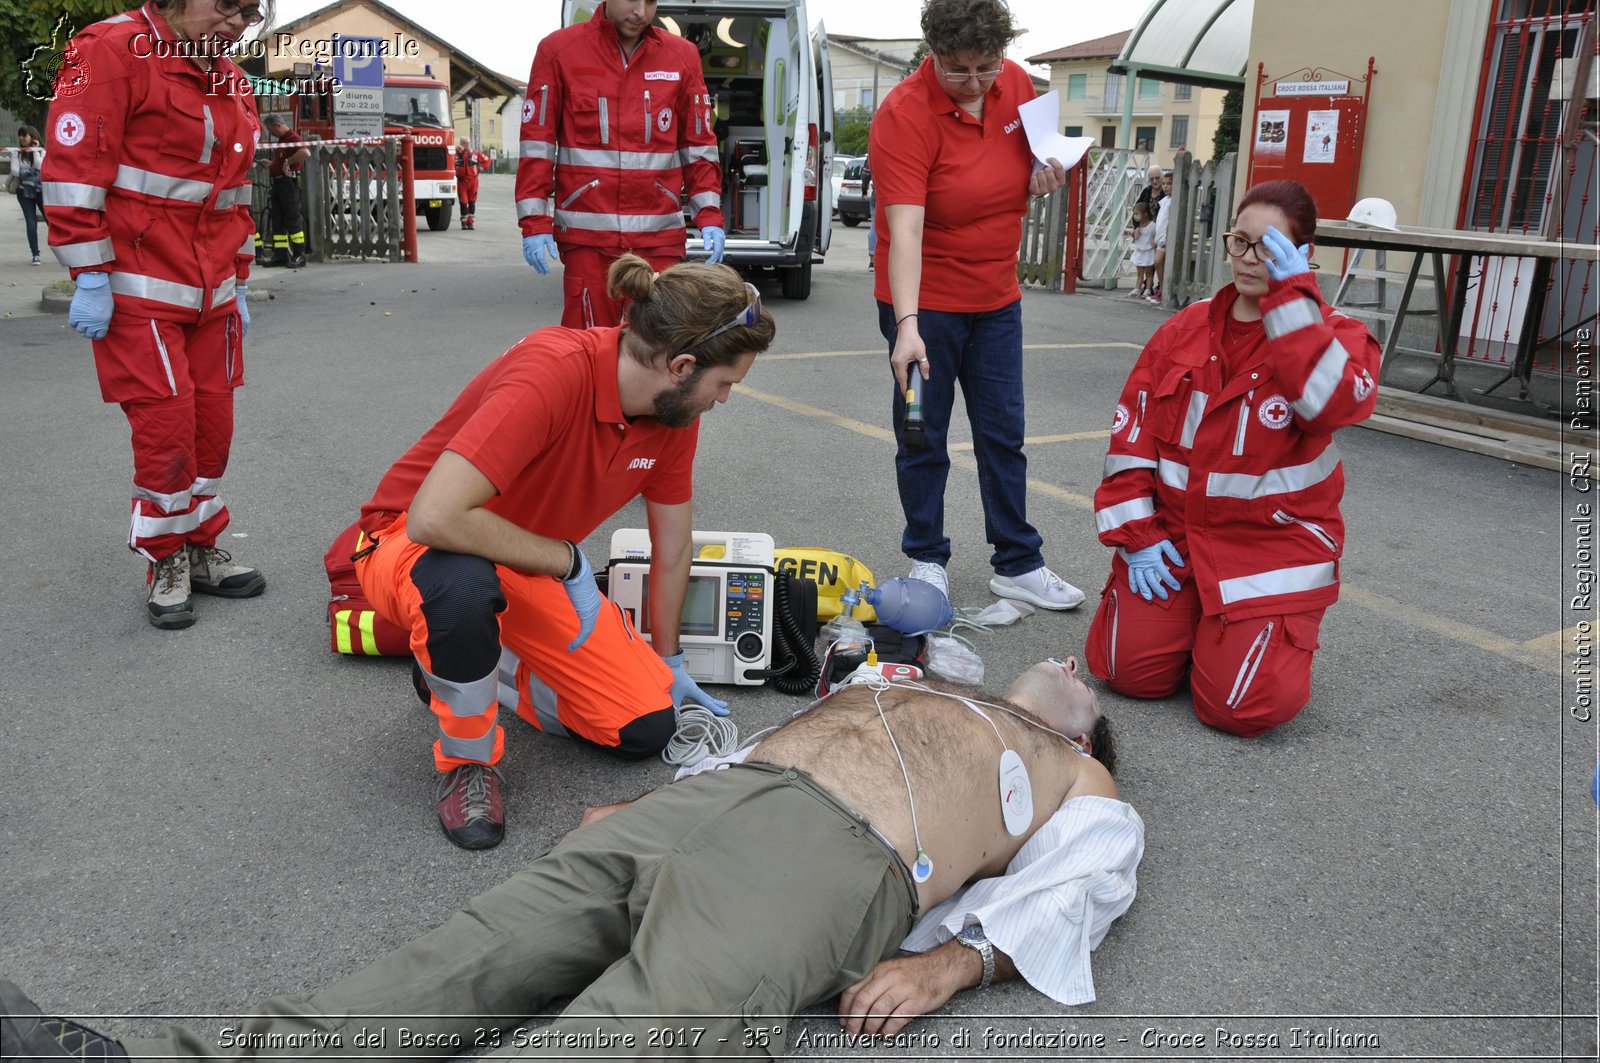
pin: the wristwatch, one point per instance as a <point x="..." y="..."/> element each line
<point x="972" y="937"/>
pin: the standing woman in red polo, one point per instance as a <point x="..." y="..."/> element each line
<point x="953" y="173"/>
<point x="152" y="133"/>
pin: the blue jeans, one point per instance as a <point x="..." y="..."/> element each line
<point x="30" y="221"/>
<point x="984" y="353"/>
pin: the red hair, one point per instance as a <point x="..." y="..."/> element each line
<point x="1290" y="197"/>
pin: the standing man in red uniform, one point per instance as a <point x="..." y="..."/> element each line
<point x="288" y="220"/>
<point x="470" y="541"/>
<point x="617" y="125"/>
<point x="468" y="164"/>
<point x="148" y="184"/>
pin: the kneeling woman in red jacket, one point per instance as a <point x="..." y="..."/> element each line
<point x="1222" y="484"/>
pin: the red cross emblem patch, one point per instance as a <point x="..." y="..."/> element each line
<point x="1275" y="412"/>
<point x="1120" y="420"/>
<point x="69" y="129"/>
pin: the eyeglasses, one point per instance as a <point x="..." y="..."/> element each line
<point x="746" y="318"/>
<point x="252" y="15"/>
<point x="1236" y="244"/>
<point x="956" y="77"/>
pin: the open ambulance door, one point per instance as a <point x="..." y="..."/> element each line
<point x="825" y="146"/>
<point x="578" y="10"/>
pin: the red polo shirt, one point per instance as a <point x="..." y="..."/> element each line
<point x="544" y="423"/>
<point x="970" y="177"/>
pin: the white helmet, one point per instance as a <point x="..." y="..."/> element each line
<point x="1374" y="213"/>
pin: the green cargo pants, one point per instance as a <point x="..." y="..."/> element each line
<point x="693" y="922"/>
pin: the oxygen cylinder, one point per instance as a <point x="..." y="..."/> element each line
<point x="908" y="605"/>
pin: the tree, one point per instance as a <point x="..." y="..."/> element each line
<point x="850" y="131"/>
<point x="33" y="32"/>
<point x="1226" y="138"/>
<point x="919" y="55"/>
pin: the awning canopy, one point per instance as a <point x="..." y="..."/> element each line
<point x="1192" y="42"/>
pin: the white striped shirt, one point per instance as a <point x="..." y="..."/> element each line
<point x="1058" y="897"/>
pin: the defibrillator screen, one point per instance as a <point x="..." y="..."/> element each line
<point x="700" y="602"/>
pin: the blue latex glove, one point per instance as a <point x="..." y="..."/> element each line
<point x="713" y="239"/>
<point x="90" y="312"/>
<point x="685" y="689"/>
<point x="584" y="594"/>
<point x="1287" y="260"/>
<point x="1147" y="571"/>
<point x="240" y="292"/>
<point x="535" y="248"/>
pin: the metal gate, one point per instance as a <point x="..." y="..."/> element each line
<point x="1115" y="178"/>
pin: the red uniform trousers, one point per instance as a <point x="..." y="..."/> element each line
<point x="586" y="303"/>
<point x="485" y="635"/>
<point x="1246" y="676"/>
<point x="467" y="189"/>
<point x="175" y="383"/>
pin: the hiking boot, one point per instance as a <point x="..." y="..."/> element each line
<point x="169" y="604"/>
<point x="27" y="1035"/>
<point x="213" y="571"/>
<point x="470" y="810"/>
<point x="1040" y="587"/>
<point x="934" y="573"/>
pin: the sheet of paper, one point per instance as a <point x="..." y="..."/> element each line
<point x="1041" y="118"/>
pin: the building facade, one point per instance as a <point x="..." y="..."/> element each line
<point x="1167" y="117"/>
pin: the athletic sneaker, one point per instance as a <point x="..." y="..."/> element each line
<point x="470" y="810"/>
<point x="169" y="604"/>
<point x="27" y="1035"/>
<point x="1137" y="293"/>
<point x="214" y="571"/>
<point x="934" y="573"/>
<point x="1040" y="587"/>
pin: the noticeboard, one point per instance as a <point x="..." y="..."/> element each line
<point x="1309" y="126"/>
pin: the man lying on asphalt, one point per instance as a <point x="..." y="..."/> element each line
<point x="730" y="899"/>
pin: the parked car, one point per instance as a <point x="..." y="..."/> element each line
<point x="853" y="208"/>
<point x="837" y="178"/>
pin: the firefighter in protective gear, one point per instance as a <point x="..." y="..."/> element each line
<point x="288" y="219"/>
<point x="1222" y="484"/>
<point x="616" y="127"/>
<point x="468" y="164"/>
<point x="152" y="135"/>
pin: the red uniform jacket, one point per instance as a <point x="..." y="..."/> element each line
<point x="609" y="145"/>
<point x="468" y="165"/>
<point x="147" y="176"/>
<point x="1242" y="473"/>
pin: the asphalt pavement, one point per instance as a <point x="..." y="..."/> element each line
<point x="193" y="821"/>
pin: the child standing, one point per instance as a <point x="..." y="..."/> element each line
<point x="1144" y="250"/>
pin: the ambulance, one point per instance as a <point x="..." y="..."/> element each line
<point x="769" y="75"/>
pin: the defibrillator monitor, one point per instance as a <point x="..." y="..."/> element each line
<point x="725" y="626"/>
<point x="700" y="603"/>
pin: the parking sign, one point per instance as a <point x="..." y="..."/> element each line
<point x="358" y="61"/>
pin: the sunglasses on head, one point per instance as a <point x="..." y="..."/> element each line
<point x="746" y="318"/>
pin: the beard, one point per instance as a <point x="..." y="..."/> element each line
<point x="677" y="407"/>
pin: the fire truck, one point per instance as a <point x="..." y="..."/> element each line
<point x="418" y="105"/>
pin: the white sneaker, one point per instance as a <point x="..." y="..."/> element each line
<point x="1041" y="587"/>
<point x="934" y="573"/>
